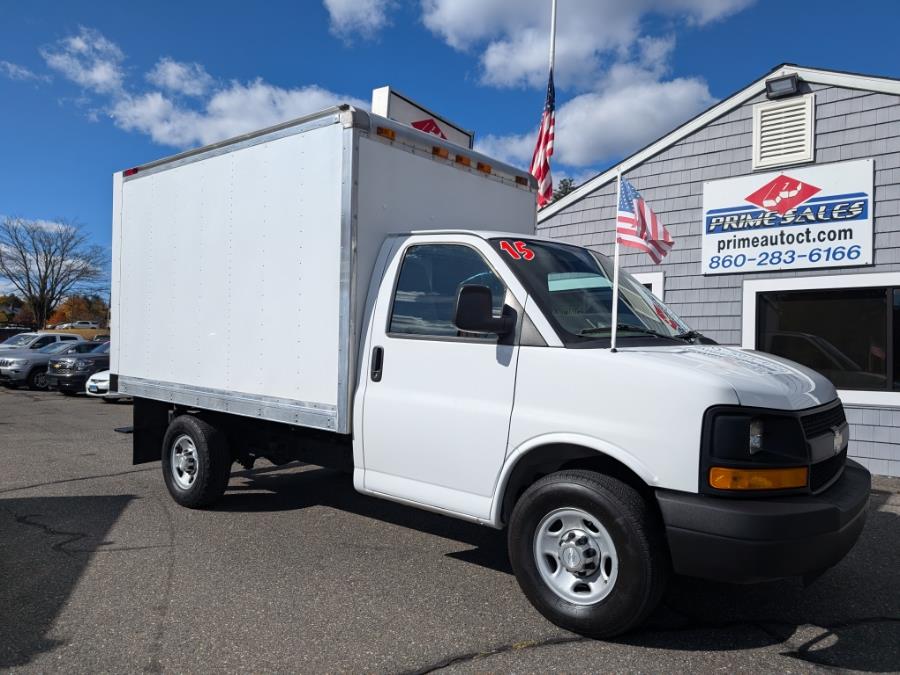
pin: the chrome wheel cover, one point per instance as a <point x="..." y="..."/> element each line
<point x="575" y="556"/>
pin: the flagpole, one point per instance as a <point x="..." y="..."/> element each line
<point x="552" y="34"/>
<point x="615" y="302"/>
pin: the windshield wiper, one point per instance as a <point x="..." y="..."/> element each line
<point x="695" y="336"/>
<point x="623" y="326"/>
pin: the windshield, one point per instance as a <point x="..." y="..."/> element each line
<point x="573" y="287"/>
<point x="102" y="349"/>
<point x="19" y="340"/>
<point x="55" y="348"/>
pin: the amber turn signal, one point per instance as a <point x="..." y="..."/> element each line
<point x="722" y="478"/>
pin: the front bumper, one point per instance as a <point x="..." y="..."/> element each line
<point x="751" y="540"/>
<point x="74" y="382"/>
<point x="11" y="375"/>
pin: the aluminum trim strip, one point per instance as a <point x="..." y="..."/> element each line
<point x="300" y="413"/>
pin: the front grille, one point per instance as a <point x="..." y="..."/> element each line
<point x="821" y="473"/>
<point x="818" y="423"/>
<point x="5" y="363"/>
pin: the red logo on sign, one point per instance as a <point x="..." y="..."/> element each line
<point x="429" y="126"/>
<point x="781" y="194"/>
<point x="517" y="250"/>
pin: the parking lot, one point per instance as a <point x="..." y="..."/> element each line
<point x="294" y="571"/>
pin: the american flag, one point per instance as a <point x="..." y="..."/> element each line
<point x="540" y="161"/>
<point x="637" y="226"/>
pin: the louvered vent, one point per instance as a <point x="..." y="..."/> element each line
<point x="783" y="132"/>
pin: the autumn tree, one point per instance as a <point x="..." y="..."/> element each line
<point x="80" y="308"/>
<point x="47" y="261"/>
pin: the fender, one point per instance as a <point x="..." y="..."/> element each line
<point x="580" y="440"/>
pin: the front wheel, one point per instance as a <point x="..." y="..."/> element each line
<point x="196" y="462"/>
<point x="37" y="379"/>
<point x="588" y="552"/>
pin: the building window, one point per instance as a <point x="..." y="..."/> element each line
<point x="783" y="132"/>
<point x="849" y="335"/>
<point x="652" y="281"/>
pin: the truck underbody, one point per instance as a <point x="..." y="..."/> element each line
<point x="248" y="439"/>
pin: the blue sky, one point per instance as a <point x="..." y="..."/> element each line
<point x="88" y="88"/>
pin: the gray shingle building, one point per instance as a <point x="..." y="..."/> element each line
<point x="784" y="203"/>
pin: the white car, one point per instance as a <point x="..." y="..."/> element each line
<point x="97" y="385"/>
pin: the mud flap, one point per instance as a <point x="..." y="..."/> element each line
<point x="151" y="419"/>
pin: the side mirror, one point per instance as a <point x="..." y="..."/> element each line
<point x="474" y="313"/>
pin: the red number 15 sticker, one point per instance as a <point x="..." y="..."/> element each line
<point x="517" y="250"/>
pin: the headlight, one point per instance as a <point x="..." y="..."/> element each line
<point x="752" y="449"/>
<point x="81" y="364"/>
<point x="18" y="364"/>
<point x="756" y="435"/>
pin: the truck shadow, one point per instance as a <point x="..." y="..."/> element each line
<point x="849" y="618"/>
<point x="46" y="544"/>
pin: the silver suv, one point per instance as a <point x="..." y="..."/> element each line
<point x="29" y="366"/>
<point x="36" y="340"/>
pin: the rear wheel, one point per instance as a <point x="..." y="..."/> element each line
<point x="588" y="552"/>
<point x="196" y="462"/>
<point x="37" y="379"/>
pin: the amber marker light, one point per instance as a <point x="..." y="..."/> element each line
<point x="386" y="133"/>
<point x="438" y="151"/>
<point x="723" y="478"/>
<point x="462" y="159"/>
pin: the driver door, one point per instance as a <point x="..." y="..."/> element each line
<point x="438" y="401"/>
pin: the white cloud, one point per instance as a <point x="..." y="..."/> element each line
<point x="235" y="110"/>
<point x="186" y="106"/>
<point x="88" y="59"/>
<point x="513" y="37"/>
<point x="362" y="17"/>
<point x="14" y="71"/>
<point x="190" y="79"/>
<point x="624" y="96"/>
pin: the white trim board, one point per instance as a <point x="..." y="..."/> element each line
<point x="810" y="75"/>
<point x="833" y="281"/>
<point x="656" y="281"/>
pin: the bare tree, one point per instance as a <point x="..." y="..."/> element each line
<point x="46" y="261"/>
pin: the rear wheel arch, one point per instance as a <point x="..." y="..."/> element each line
<point x="547" y="458"/>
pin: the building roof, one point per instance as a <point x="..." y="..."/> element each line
<point x="836" y="78"/>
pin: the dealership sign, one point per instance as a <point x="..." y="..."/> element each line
<point x="818" y="216"/>
<point x="390" y="103"/>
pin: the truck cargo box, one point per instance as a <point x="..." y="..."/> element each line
<point x="241" y="269"/>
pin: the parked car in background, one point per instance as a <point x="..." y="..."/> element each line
<point x="36" y="340"/>
<point x="80" y="324"/>
<point x="68" y="374"/>
<point x="98" y="385"/>
<point x="29" y="366"/>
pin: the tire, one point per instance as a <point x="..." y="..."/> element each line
<point x="199" y="478"/>
<point x="615" y="595"/>
<point x="37" y="379"/>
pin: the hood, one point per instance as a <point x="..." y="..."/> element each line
<point x="759" y="380"/>
<point x="19" y="353"/>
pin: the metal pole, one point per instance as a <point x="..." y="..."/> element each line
<point x="615" y="302"/>
<point x="552" y="33"/>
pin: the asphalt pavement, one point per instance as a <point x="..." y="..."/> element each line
<point x="100" y="571"/>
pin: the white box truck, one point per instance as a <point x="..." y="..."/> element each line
<point x="349" y="292"/>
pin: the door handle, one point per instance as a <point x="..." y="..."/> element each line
<point x="377" y="363"/>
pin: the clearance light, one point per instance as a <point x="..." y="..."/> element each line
<point x="484" y="168"/>
<point x="130" y="172"/>
<point x="390" y="134"/>
<point x="722" y="478"/>
<point x="438" y="151"/>
<point x="521" y="180"/>
<point x="462" y="159"/>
